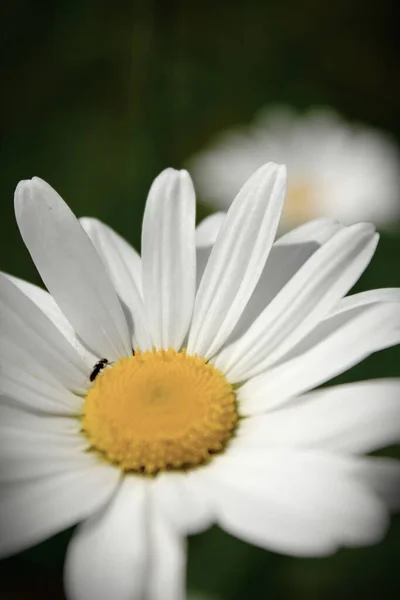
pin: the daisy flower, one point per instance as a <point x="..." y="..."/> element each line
<point x="200" y="410"/>
<point x="336" y="169"/>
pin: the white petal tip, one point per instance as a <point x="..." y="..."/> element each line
<point x="22" y="195"/>
<point x="268" y="171"/>
<point x="27" y="186"/>
<point x="90" y="223"/>
<point x="30" y="183"/>
<point x="365" y="226"/>
<point x="282" y="169"/>
<point x="173" y="183"/>
<point x="171" y="172"/>
<point x="28" y="190"/>
<point x="281" y="173"/>
<point x="184" y="178"/>
<point x="22" y="187"/>
<point x="273" y="166"/>
<point x="172" y="178"/>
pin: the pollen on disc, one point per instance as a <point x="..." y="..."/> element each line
<point x="159" y="410"/>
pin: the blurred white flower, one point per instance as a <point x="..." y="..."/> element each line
<point x="345" y="171"/>
<point x="200" y="408"/>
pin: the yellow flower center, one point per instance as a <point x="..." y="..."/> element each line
<point x="159" y="410"/>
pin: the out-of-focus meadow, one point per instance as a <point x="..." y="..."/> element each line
<point x="98" y="97"/>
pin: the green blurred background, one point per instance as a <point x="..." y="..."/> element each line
<point x="99" y="97"/>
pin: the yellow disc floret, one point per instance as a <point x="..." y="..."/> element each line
<point x="159" y="410"/>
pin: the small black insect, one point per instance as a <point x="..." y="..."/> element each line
<point x="97" y="368"/>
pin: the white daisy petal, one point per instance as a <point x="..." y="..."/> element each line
<point x="365" y="298"/>
<point x="317" y="230"/>
<point x="356" y="417"/>
<point x="237" y="259"/>
<point x="30" y="388"/>
<point x="206" y="234"/>
<point x="108" y="556"/>
<point x="283" y="469"/>
<point x="20" y="360"/>
<point x="27" y="454"/>
<point x="169" y="257"/>
<point x="181" y="504"/>
<point x="383" y="476"/>
<point x="295" y="502"/>
<point x="33" y="510"/>
<point x="287" y="256"/>
<point x="202" y="257"/>
<point x="48" y="305"/>
<point x="207" y="230"/>
<point x="71" y="268"/>
<point x="23" y="423"/>
<point x="29" y="328"/>
<point x="340" y="318"/>
<point x="123" y="263"/>
<point x="345" y="340"/>
<point x="167" y="577"/>
<point x="124" y="267"/>
<point x="304" y="300"/>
